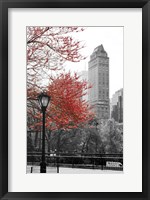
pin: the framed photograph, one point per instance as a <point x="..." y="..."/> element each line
<point x="74" y="99"/>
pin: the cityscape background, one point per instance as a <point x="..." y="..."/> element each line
<point x="98" y="75"/>
<point x="103" y="68"/>
<point x="112" y="40"/>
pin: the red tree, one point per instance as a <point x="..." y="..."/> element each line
<point x="67" y="108"/>
<point x="48" y="48"/>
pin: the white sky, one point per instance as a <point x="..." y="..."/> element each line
<point x="112" y="40"/>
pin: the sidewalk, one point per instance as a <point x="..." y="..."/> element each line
<point x="63" y="170"/>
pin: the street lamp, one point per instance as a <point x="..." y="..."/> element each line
<point x="43" y="102"/>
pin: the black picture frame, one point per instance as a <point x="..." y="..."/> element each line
<point x="4" y="6"/>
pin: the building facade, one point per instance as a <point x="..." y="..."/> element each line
<point x="98" y="77"/>
<point x="116" y="111"/>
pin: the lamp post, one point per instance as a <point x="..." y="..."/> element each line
<point x="43" y="102"/>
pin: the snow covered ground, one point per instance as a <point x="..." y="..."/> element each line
<point x="63" y="170"/>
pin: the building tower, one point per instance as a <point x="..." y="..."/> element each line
<point x="117" y="106"/>
<point x="98" y="76"/>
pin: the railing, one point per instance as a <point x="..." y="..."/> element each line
<point x="86" y="161"/>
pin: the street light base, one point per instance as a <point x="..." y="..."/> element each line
<point x="42" y="167"/>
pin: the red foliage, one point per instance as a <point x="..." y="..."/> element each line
<point x="48" y="48"/>
<point x="67" y="109"/>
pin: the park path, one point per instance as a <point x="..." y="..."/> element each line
<point x="63" y="170"/>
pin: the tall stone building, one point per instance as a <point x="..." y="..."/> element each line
<point x="98" y="76"/>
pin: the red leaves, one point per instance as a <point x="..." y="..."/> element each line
<point x="67" y="109"/>
<point x="48" y="48"/>
<point x="52" y="39"/>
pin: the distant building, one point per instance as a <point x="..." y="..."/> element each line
<point x="98" y="76"/>
<point x="84" y="77"/>
<point x="117" y="106"/>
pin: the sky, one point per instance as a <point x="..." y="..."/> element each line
<point x="112" y="40"/>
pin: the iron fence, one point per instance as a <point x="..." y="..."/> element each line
<point x="86" y="161"/>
